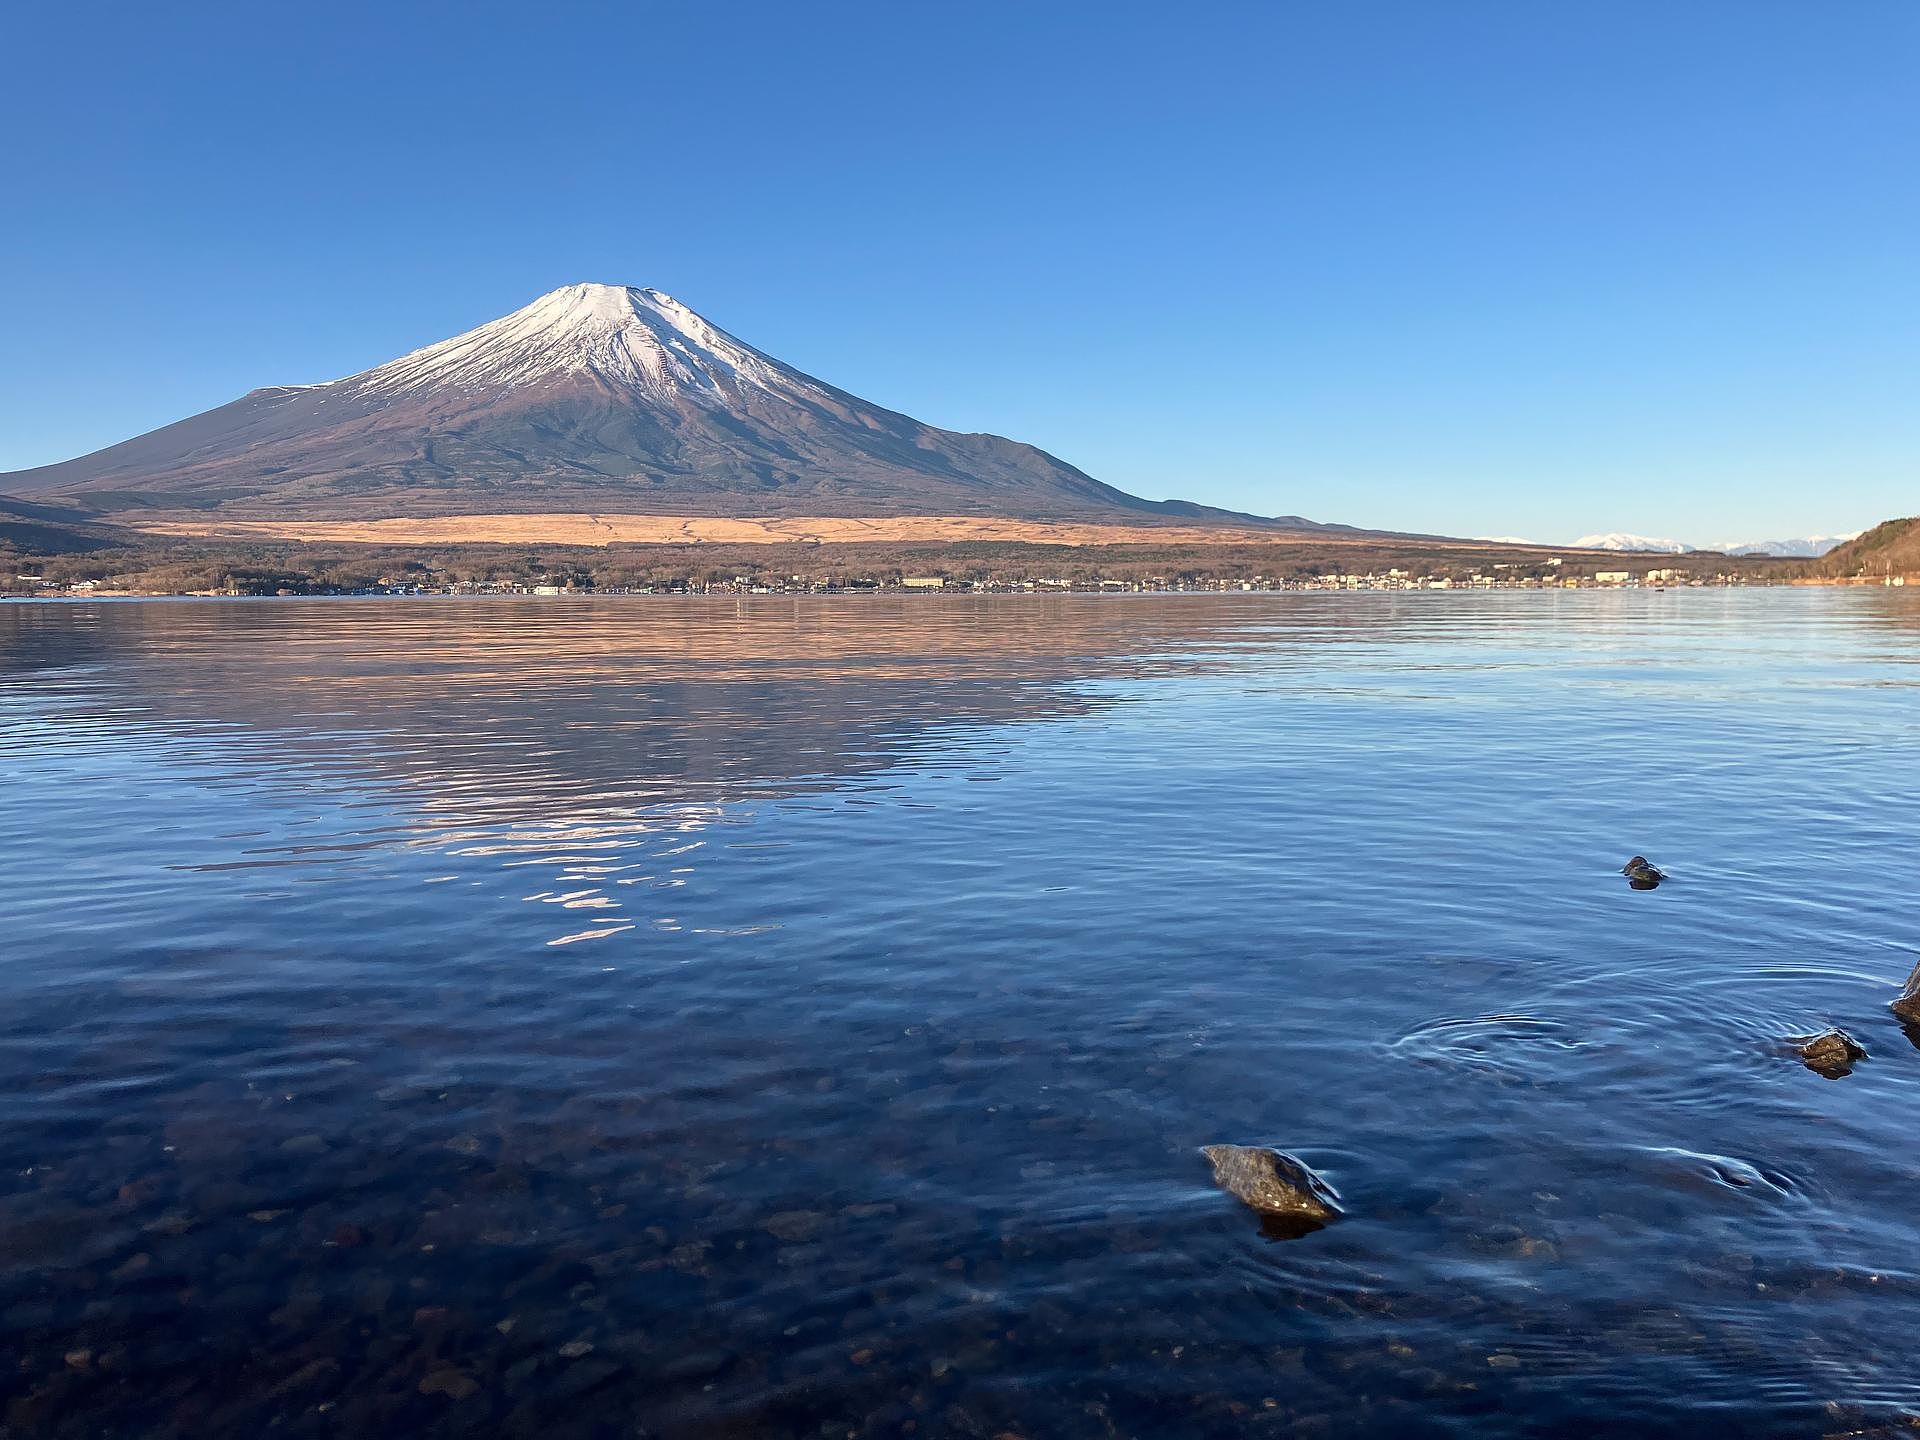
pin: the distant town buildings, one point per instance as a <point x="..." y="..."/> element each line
<point x="1548" y="573"/>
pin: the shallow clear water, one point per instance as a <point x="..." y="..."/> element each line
<point x="816" y="1007"/>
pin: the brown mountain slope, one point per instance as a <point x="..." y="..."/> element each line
<point x="54" y="529"/>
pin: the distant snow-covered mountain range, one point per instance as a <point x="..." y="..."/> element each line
<point x="1619" y="540"/>
<point x="1805" y="547"/>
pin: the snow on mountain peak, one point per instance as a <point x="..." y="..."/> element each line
<point x="619" y="335"/>
<point x="1619" y="541"/>
<point x="1801" y="548"/>
<point x="1804" y="546"/>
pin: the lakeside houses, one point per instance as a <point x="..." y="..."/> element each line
<point x="560" y="577"/>
<point x="1498" y="578"/>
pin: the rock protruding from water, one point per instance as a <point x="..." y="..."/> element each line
<point x="1642" y="874"/>
<point x="1289" y="1198"/>
<point x="1831" y="1053"/>
<point x="1907" y="1006"/>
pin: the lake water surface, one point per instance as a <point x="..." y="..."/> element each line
<point x="802" y="1017"/>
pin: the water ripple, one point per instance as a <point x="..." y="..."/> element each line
<point x="803" y="1017"/>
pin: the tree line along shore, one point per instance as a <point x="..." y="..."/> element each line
<point x="225" y="567"/>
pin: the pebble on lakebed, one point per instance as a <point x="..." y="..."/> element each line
<point x="1290" y="1199"/>
<point x="454" y="1384"/>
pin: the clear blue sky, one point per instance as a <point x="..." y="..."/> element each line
<point x="1482" y="267"/>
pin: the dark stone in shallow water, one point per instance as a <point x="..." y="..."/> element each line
<point x="1907" y="1004"/>
<point x="1831" y="1053"/>
<point x="1290" y="1199"/>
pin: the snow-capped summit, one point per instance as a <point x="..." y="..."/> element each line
<point x="1615" y="540"/>
<point x="617" y="334"/>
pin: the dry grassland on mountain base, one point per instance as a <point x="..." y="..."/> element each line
<point x="595" y="530"/>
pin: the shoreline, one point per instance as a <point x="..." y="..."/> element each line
<point x="749" y="557"/>
<point x="955" y="592"/>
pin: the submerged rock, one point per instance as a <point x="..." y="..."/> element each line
<point x="454" y="1384"/>
<point x="311" y="1373"/>
<point x="1642" y="874"/>
<point x="794" y="1226"/>
<point x="1290" y="1199"/>
<point x="1831" y="1053"/>
<point x="1698" y="1170"/>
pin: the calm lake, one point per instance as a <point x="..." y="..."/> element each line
<point x="802" y="1017"/>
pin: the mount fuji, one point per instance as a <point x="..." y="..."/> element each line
<point x="593" y="398"/>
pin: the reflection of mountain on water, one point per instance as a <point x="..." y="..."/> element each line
<point x="592" y="741"/>
<point x="575" y="712"/>
<point x="504" y="710"/>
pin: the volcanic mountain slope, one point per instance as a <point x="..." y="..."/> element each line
<point x="593" y="398"/>
<point x="53" y="529"/>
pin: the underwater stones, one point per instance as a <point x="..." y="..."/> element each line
<point x="1510" y="1242"/>
<point x="1698" y="1170"/>
<point x="794" y="1226"/>
<point x="690" y="1258"/>
<point x="1290" y="1199"/>
<point x="695" y="1366"/>
<point x="1642" y="874"/>
<point x="454" y="1384"/>
<point x="1831" y="1053"/>
<point x="310" y="1374"/>
<point x="139" y="1192"/>
<point x="582" y="1378"/>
